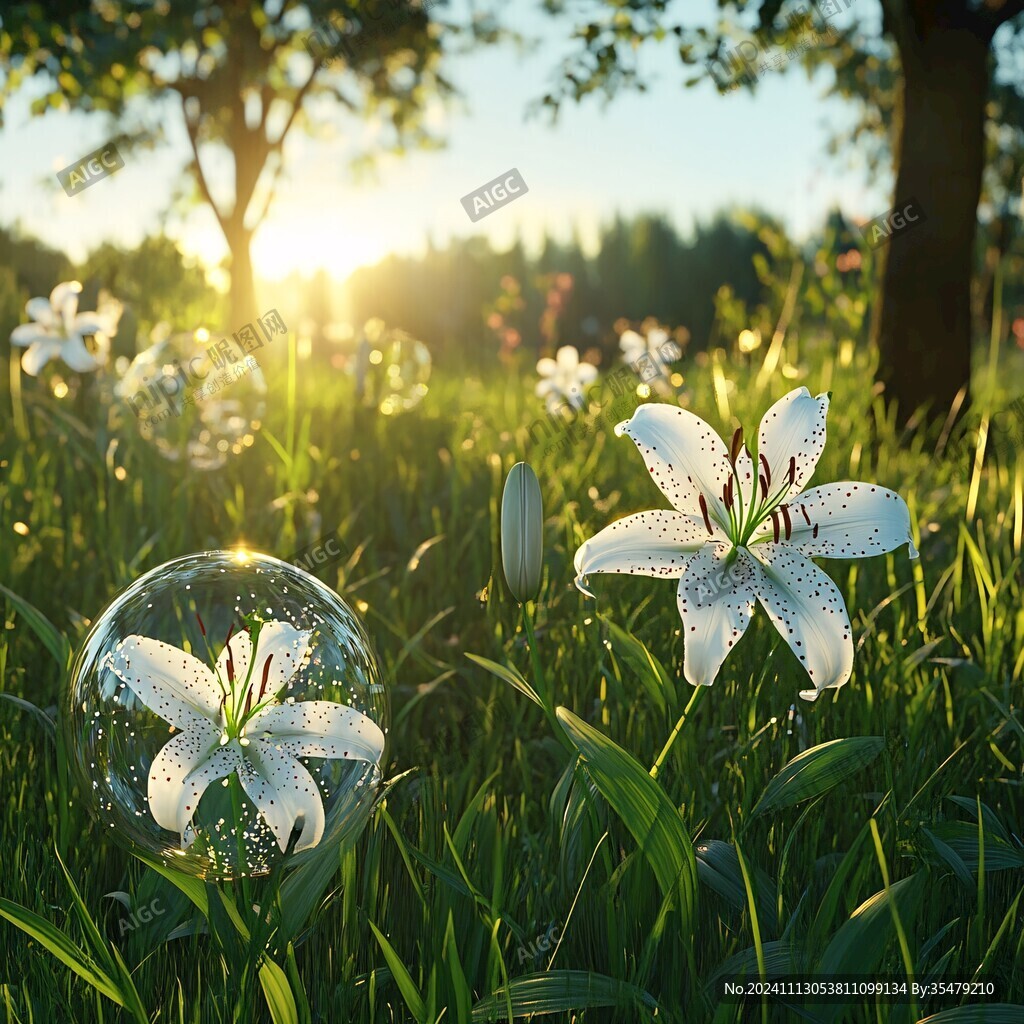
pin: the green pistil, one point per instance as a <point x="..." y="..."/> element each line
<point x="235" y="695"/>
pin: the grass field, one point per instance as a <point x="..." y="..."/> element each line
<point x="492" y="845"/>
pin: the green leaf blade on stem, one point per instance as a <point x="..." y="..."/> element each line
<point x="278" y="994"/>
<point x="49" y="636"/>
<point x="507" y="675"/>
<point x="818" y="770"/>
<point x="410" y="993"/>
<point x="560" y="992"/>
<point x="644" y="809"/>
<point x="52" y="938"/>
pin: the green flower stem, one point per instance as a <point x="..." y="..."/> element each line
<point x="236" y="812"/>
<point x="540" y="678"/>
<point x="694" y="697"/>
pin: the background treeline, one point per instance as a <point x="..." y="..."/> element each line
<point x="473" y="305"/>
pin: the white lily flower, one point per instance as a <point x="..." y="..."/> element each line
<point x="58" y="330"/>
<point x="743" y="531"/>
<point x="234" y="720"/>
<point x="564" y="378"/>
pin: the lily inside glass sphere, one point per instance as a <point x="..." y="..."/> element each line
<point x="263" y="743"/>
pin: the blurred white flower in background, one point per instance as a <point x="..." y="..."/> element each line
<point x="564" y="378"/>
<point x="657" y="344"/>
<point x="649" y="356"/>
<point x="58" y="331"/>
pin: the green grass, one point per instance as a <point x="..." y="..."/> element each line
<point x="492" y="840"/>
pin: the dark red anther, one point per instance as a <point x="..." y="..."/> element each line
<point x="734" y="448"/>
<point x="792" y="470"/>
<point x="806" y="516"/>
<point x="704" y="512"/>
<point x="785" y="515"/>
<point x="767" y="471"/>
<point x="814" y="532"/>
<point x="764" y="487"/>
<point x="775" y="525"/>
<point x="202" y="628"/>
<point x="266" y="676"/>
<point x="727" y="492"/>
<point x="231" y="660"/>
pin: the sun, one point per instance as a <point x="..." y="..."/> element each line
<point x="295" y="245"/>
<point x="283" y="248"/>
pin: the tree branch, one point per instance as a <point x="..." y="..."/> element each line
<point x="200" y="176"/>
<point x="276" y="147"/>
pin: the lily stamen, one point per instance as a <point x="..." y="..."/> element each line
<point x="785" y="515"/>
<point x="734" y="448"/>
<point x="774" y="516"/>
<point x="266" y="676"/>
<point x="767" y="469"/>
<point x="231" y="660"/>
<point x="704" y="512"/>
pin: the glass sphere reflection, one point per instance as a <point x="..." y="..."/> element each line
<point x="195" y="398"/>
<point x="398" y="371"/>
<point x="227" y="710"/>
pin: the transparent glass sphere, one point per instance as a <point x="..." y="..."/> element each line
<point x="195" y="397"/>
<point x="398" y="373"/>
<point x="227" y="710"/>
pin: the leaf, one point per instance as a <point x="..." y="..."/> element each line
<point x="50" y="637"/>
<point x="26" y="705"/>
<point x="107" y="954"/>
<point x="53" y="939"/>
<point x="460" y="837"/>
<point x="559" y="992"/>
<point x="718" y="868"/>
<point x="402" y="977"/>
<point x="305" y="885"/>
<point x="298" y="990"/>
<point x="644" y="809"/>
<point x="122" y="897"/>
<point x="463" y="1001"/>
<point x="650" y="671"/>
<point x="860" y="943"/>
<point x="233" y="914"/>
<point x="508" y="675"/>
<point x="278" y="994"/>
<point x="962" y="839"/>
<point x="781" y="957"/>
<point x="980" y="1013"/>
<point x="193" y="888"/>
<point x="950" y="858"/>
<point x="818" y="770"/>
<point x="992" y="823"/>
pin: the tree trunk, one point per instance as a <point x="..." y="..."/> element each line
<point x="922" y="323"/>
<point x="243" y="290"/>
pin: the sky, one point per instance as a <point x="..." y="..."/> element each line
<point x="685" y="153"/>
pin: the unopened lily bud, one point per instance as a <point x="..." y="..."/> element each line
<point x="522" y="532"/>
